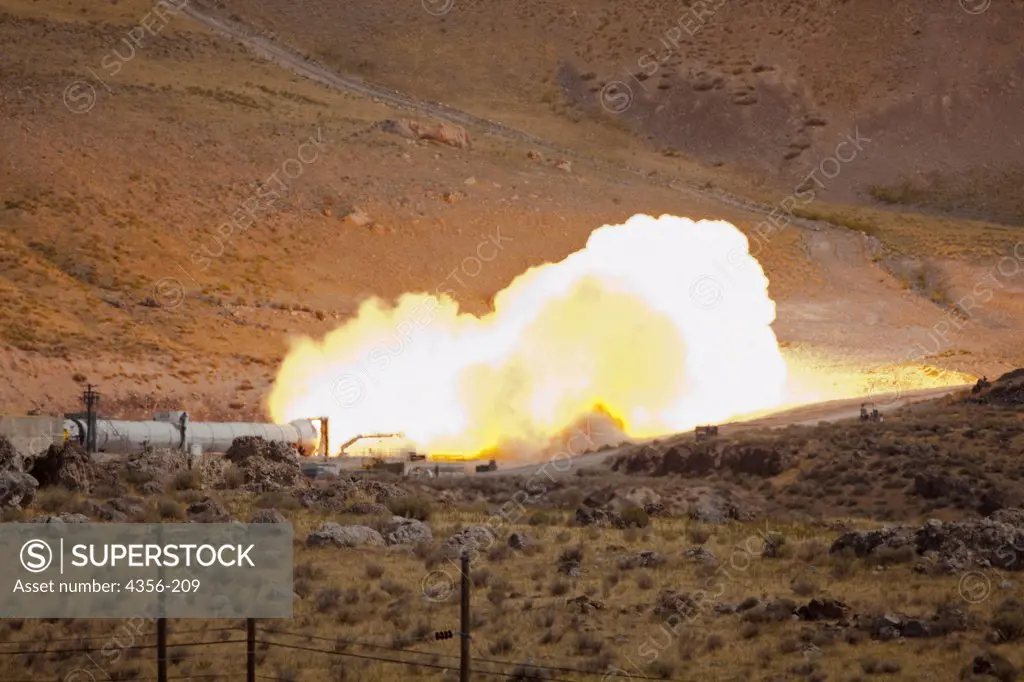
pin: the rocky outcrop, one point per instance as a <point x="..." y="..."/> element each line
<point x="642" y="559"/>
<point x="445" y="133"/>
<point x="823" y="609"/>
<point x="267" y="516"/>
<point x="367" y="509"/>
<point x="17" y="489"/>
<point x="10" y="459"/>
<point x="521" y="541"/>
<point x="67" y="465"/>
<point x="207" y="510"/>
<point x="403" y="531"/>
<point x="336" y="535"/>
<point x="267" y="466"/>
<point x="63" y="517"/>
<point x="602" y="518"/>
<point x="988" y="542"/>
<point x="472" y="540"/>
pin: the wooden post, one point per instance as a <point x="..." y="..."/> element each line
<point x="464" y="621"/>
<point x="250" y="649"/>
<point x="161" y="650"/>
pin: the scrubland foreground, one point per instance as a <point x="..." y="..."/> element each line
<point x="755" y="557"/>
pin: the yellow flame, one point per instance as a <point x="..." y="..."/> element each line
<point x="665" y="323"/>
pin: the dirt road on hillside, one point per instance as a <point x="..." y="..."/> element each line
<point x="291" y="59"/>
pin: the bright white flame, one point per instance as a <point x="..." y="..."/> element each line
<point x="665" y="323"/>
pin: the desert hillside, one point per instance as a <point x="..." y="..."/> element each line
<point x="124" y="166"/>
<point x="764" y="88"/>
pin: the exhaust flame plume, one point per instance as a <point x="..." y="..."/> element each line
<point x="662" y="324"/>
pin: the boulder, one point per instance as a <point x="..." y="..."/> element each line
<point x="17" y="489"/>
<point x="10" y="458"/>
<point x="1013" y="517"/>
<point x="104" y="512"/>
<point x="267" y="516"/>
<point x="208" y="510"/>
<point x="368" y="509"/>
<point x="864" y="543"/>
<point x="154" y="468"/>
<point x="711" y="505"/>
<point x="331" y="533"/>
<point x="67" y="465"/>
<point x="521" y="541"/>
<point x="699" y="554"/>
<point x="126" y="505"/>
<point x="445" y="133"/>
<point x="823" y="609"/>
<point x="63" y="517"/>
<point x="642" y="559"/>
<point x="403" y="531"/>
<point x="473" y="540"/>
<point x="946" y="620"/>
<point x="268" y="466"/>
<point x="670" y="602"/>
<point x="378" y="490"/>
<point x="602" y="518"/>
<point x="584" y="604"/>
<point x="324" y="499"/>
<point x="571" y="567"/>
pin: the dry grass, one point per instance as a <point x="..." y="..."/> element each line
<point x="520" y="608"/>
<point x="531" y="605"/>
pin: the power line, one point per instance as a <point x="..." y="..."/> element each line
<point x="110" y="635"/>
<point x="539" y="666"/>
<point x="135" y="646"/>
<point x="411" y="663"/>
<point x="335" y="640"/>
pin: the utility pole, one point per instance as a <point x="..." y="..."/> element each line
<point x="464" y="621"/>
<point x="161" y="649"/>
<point x="250" y="650"/>
<point x="92" y="399"/>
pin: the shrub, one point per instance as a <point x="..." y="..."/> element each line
<point x="635" y="517"/>
<point x="699" y="535"/>
<point x="276" y="500"/>
<point x="1009" y="622"/>
<point x="308" y="571"/>
<point x="662" y="670"/>
<point x="169" y="509"/>
<point x="327" y="599"/>
<point x="234" y="477"/>
<point x="503" y="645"/>
<point x="559" y="588"/>
<point x="589" y="644"/>
<point x="55" y="499"/>
<point x="803" y="588"/>
<point x="187" y="480"/>
<point x="411" y="507"/>
<point x="540" y="518"/>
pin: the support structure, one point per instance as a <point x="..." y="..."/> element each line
<point x="325" y="437"/>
